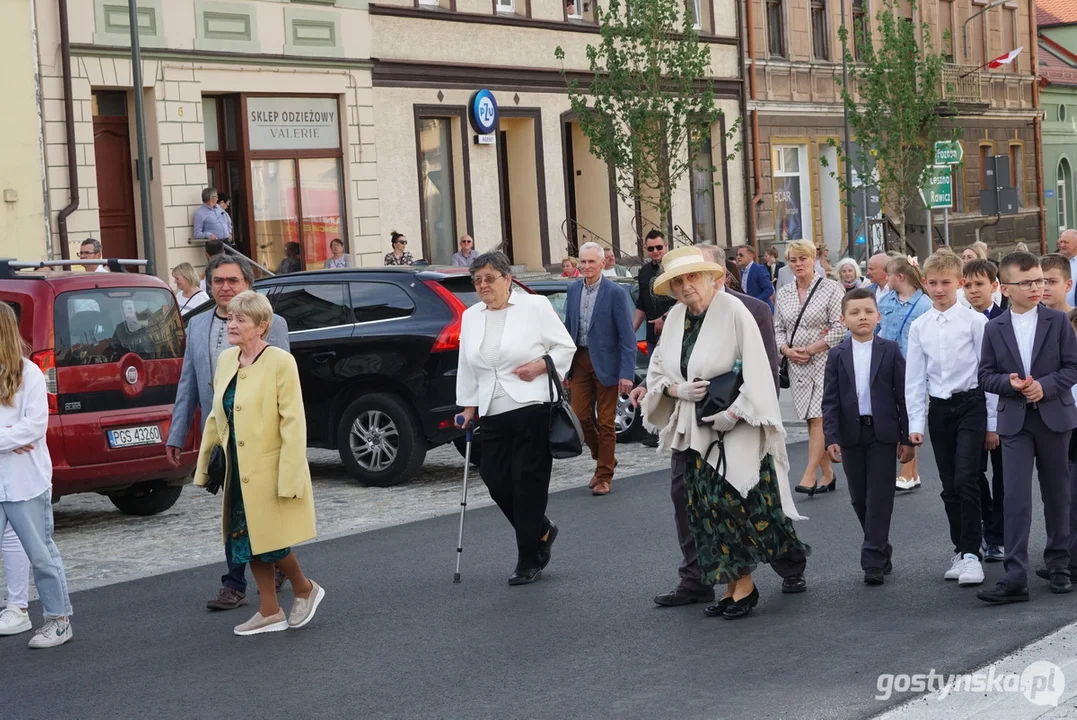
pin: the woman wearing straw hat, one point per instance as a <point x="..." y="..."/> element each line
<point x="740" y="504"/>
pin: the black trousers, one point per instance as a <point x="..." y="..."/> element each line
<point x="869" y="470"/>
<point x="515" y="466"/>
<point x="957" y="426"/>
<point x="991" y="497"/>
<point x="789" y="565"/>
<point x="1049" y="450"/>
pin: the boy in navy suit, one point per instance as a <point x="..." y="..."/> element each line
<point x="865" y="424"/>
<point x="1029" y="359"/>
<point x="1057" y="281"/>
<point x="981" y="282"/>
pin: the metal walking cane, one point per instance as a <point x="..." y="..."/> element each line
<point x="468" y="435"/>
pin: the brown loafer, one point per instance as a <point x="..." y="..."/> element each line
<point x="226" y="599"/>
<point x="602" y="488"/>
<point x="594" y="481"/>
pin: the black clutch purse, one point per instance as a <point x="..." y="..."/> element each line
<point x="721" y="392"/>
<point x="216" y="470"/>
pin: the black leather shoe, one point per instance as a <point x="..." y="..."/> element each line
<point x="684" y="596"/>
<point x="718" y="608"/>
<point x="1046" y="574"/>
<point x="874" y="576"/>
<point x="544" y="551"/>
<point x="827" y="488"/>
<point x="525" y="576"/>
<point x="1060" y="582"/>
<point x="888" y="568"/>
<point x="742" y="608"/>
<point x="794" y="584"/>
<point x="650" y="441"/>
<point x="1005" y="592"/>
<point x="807" y="490"/>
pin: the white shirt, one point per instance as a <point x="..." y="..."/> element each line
<point x="189" y="304"/>
<point x="1073" y="274"/>
<point x="1024" y="327"/>
<point x="996" y="297"/>
<point x="880" y="290"/>
<point x="862" y="372"/>
<point x="939" y="361"/>
<point x="24" y="477"/>
<point x="102" y="268"/>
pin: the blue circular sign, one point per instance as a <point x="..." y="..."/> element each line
<point x="482" y="111"/>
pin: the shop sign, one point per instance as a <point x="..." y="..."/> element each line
<point x="787" y="205"/>
<point x="482" y="111"/>
<point x="293" y="123"/>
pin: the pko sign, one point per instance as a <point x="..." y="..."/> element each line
<point x="482" y="111"/>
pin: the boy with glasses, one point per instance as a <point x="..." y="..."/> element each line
<point x="1030" y="360"/>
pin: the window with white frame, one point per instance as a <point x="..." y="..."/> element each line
<point x="506" y="6"/>
<point x="697" y="14"/>
<point x="792" y="193"/>
<point x="1063" y="195"/>
<point x="701" y="184"/>
<point x="430" y="3"/>
<point x="574" y="9"/>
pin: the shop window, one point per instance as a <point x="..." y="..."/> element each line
<point x="701" y="181"/>
<point x="1064" y="195"/>
<point x="436" y="188"/>
<point x="775" y="28"/>
<point x="861" y="28"/>
<point x="820" y="40"/>
<point x="792" y="196"/>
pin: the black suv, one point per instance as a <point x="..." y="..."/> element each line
<point x="377" y="352"/>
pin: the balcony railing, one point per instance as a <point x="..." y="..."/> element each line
<point x="961" y="84"/>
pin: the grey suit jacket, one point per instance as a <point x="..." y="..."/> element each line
<point x="195" y="388"/>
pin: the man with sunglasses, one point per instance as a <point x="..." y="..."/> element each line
<point x="650" y="307"/>
<point x="227" y="275"/>
<point x="466" y="254"/>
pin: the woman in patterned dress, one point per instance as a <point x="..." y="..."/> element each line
<point x="740" y="509"/>
<point x="398" y="256"/>
<point x="819" y="330"/>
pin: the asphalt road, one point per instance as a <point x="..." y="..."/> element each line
<point x="396" y="639"/>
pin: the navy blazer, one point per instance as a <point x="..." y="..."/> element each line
<point x="611" y="339"/>
<point x="841" y="410"/>
<point x="1054" y="365"/>
<point x="758" y="285"/>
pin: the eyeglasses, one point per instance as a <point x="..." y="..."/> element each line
<point x="400" y="242"/>
<point x="465" y="242"/>
<point x="1027" y="285"/>
<point x="84" y="254"/>
<point x="485" y="279"/>
<point x="229" y="281"/>
<point x="655" y="248"/>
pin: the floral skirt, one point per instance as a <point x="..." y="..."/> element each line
<point x="240" y="539"/>
<point x="734" y="534"/>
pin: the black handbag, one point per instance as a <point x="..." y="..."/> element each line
<point x="216" y="470"/>
<point x="721" y="392"/>
<point x="783" y="367"/>
<point x="566" y="434"/>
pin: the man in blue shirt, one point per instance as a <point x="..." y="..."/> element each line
<point x="210" y="222"/>
<point x="754" y="278"/>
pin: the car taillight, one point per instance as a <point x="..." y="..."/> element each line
<point x="449" y="338"/>
<point x="642" y="347"/>
<point x="46" y="360"/>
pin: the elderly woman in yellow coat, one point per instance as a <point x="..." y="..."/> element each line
<point x="258" y="420"/>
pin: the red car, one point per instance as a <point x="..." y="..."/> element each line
<point x="111" y="347"/>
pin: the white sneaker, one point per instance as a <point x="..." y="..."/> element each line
<point x="55" y="631"/>
<point x="914" y="483"/>
<point x="972" y="572"/>
<point x="955" y="568"/>
<point x="907" y="483"/>
<point x="14" y="620"/>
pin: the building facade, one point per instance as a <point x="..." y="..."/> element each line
<point x="536" y="191"/>
<point x="1057" y="23"/>
<point x="795" y="106"/>
<point x="268" y="101"/>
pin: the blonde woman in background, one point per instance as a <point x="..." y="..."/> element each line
<point x="258" y="419"/>
<point x="26" y="479"/>
<point x="806" y="345"/>
<point x="188" y="293"/>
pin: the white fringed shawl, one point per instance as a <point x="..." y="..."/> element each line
<point x="729" y="333"/>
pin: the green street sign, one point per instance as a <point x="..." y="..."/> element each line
<point x="949" y="152"/>
<point x="938" y="189"/>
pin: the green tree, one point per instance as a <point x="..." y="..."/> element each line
<point x="649" y="99"/>
<point x="894" y="100"/>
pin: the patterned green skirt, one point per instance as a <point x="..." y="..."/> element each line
<point x="734" y="534"/>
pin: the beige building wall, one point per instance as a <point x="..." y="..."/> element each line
<point x="243" y="46"/>
<point x="22" y="203"/>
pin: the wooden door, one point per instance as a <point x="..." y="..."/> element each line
<point x="506" y="203"/>
<point x="115" y="189"/>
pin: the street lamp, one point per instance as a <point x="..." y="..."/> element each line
<point x="849" y="217"/>
<point x="140" y="135"/>
<point x="965" y="27"/>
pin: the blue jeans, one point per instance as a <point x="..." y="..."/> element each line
<point x="236" y="577"/>
<point x="32" y="521"/>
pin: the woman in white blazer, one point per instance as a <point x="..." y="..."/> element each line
<point x="502" y="379"/>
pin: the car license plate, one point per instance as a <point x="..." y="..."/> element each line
<point x="134" y="436"/>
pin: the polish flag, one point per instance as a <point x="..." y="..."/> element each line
<point x="1005" y="59"/>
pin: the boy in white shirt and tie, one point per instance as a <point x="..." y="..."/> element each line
<point x="942" y="362"/>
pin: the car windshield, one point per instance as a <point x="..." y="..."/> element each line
<point x="103" y="325"/>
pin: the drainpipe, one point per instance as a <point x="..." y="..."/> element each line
<point x="757" y="173"/>
<point x="1037" y="122"/>
<point x="69" y="122"/>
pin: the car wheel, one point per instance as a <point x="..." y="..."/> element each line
<point x="476" y="449"/>
<point x="627" y="421"/>
<point x="144" y="499"/>
<point x="380" y="441"/>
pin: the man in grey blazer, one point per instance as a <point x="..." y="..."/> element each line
<point x="207" y="337"/>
